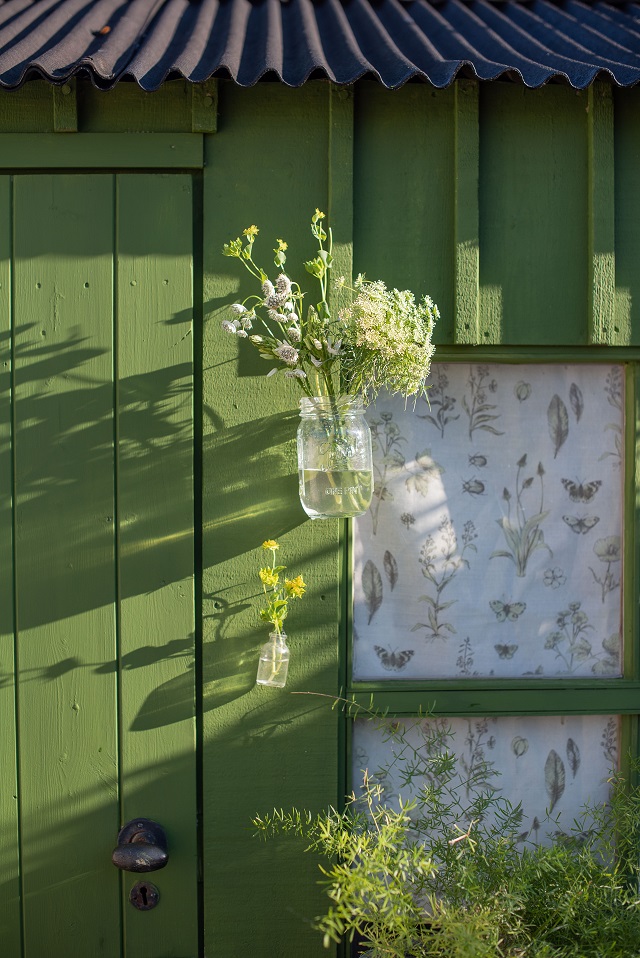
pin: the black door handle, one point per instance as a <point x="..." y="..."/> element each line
<point x="142" y="847"/>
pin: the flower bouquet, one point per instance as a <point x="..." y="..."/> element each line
<point x="382" y="340"/>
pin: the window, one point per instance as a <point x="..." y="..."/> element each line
<point x="493" y="574"/>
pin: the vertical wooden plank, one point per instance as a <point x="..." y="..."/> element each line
<point x="156" y="549"/>
<point x="204" y="107"/>
<point x="340" y="208"/>
<point x="404" y="172"/>
<point x="262" y="747"/>
<point x="627" y="213"/>
<point x="10" y="931"/>
<point x="467" y="246"/>
<point x="533" y="212"/>
<point x="63" y="233"/>
<point x="601" y="219"/>
<point x="65" y="107"/>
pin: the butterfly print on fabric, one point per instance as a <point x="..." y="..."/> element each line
<point x="581" y="524"/>
<point x="393" y="661"/>
<point x="506" y="651"/>
<point x="581" y="492"/>
<point x="507" y="610"/>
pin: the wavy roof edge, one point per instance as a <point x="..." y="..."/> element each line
<point x="148" y="42"/>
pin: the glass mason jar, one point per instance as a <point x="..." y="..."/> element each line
<point x="335" y="464"/>
<point x="274" y="661"/>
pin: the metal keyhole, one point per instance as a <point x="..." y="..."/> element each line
<point x="144" y="896"/>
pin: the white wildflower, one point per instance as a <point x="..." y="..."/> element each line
<point x="294" y="334"/>
<point x="334" y="348"/>
<point x="294" y="318"/>
<point x="227" y="326"/>
<point x="295" y="374"/>
<point x="241" y="333"/>
<point x="273" y="301"/>
<point x="256" y="339"/>
<point x="247" y="324"/>
<point x="287" y="354"/>
<point x="277" y="317"/>
<point x="239" y="308"/>
<point x="267" y="288"/>
<point x="283" y="284"/>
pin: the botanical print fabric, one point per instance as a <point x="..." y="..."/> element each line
<point x="551" y="764"/>
<point x="493" y="545"/>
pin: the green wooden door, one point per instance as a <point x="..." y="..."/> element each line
<point x="97" y="558"/>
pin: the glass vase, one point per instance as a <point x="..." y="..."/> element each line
<point x="335" y="466"/>
<point x="274" y="661"/>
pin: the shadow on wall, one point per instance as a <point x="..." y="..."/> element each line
<point x="63" y="456"/>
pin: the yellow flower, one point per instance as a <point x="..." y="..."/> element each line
<point x="295" y="587"/>
<point x="269" y="578"/>
<point x="282" y="246"/>
<point x="319" y="214"/>
<point x="270" y="544"/>
<point x="251" y="232"/>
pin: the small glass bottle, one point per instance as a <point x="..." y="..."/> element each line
<point x="335" y="465"/>
<point x="274" y="661"/>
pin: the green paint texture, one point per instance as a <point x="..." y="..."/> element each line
<point x="517" y="210"/>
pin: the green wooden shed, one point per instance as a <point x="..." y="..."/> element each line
<point x="484" y="152"/>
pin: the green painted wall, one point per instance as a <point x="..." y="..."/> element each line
<point x="518" y="210"/>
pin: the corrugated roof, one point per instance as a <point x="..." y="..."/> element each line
<point x="393" y="41"/>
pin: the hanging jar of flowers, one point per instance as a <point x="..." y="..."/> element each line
<point x="383" y="340"/>
<point x="274" y="654"/>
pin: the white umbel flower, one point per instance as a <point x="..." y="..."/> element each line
<point x="228" y="327"/>
<point x="294" y="334"/>
<point x="295" y="374"/>
<point x="283" y="285"/>
<point x="267" y="288"/>
<point x="239" y="308"/>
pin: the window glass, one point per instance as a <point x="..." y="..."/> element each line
<point x="493" y="546"/>
<point x="551" y="764"/>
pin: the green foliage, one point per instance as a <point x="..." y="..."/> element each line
<point x="446" y="875"/>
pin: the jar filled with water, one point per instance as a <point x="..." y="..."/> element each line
<point x="335" y="465"/>
<point x="274" y="661"/>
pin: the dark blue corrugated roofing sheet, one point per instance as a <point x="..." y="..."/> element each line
<point x="292" y="41"/>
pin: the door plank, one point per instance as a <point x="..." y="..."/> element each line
<point x="155" y="527"/>
<point x="9" y="837"/>
<point x="65" y="558"/>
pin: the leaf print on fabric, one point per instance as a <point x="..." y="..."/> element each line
<point x="519" y="746"/>
<point x="440" y="567"/>
<point x="576" y="401"/>
<point x="558" y="419"/>
<point x="609" y="741"/>
<point x="522" y="533"/>
<point x="441" y="406"/>
<point x="476" y="407"/>
<point x="429" y="470"/>
<point x="390" y="568"/>
<point x="372" y="588"/>
<point x="573" y="756"/>
<point x="464" y="662"/>
<point x="614" y="391"/>
<point x="554" y="778"/>
<point x="388" y="460"/>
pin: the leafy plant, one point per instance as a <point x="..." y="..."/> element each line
<point x="388" y="459"/>
<point x="522" y="533"/>
<point x="445" y="873"/>
<point x="570" y="643"/>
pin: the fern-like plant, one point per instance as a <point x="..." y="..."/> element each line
<point x="445" y="874"/>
